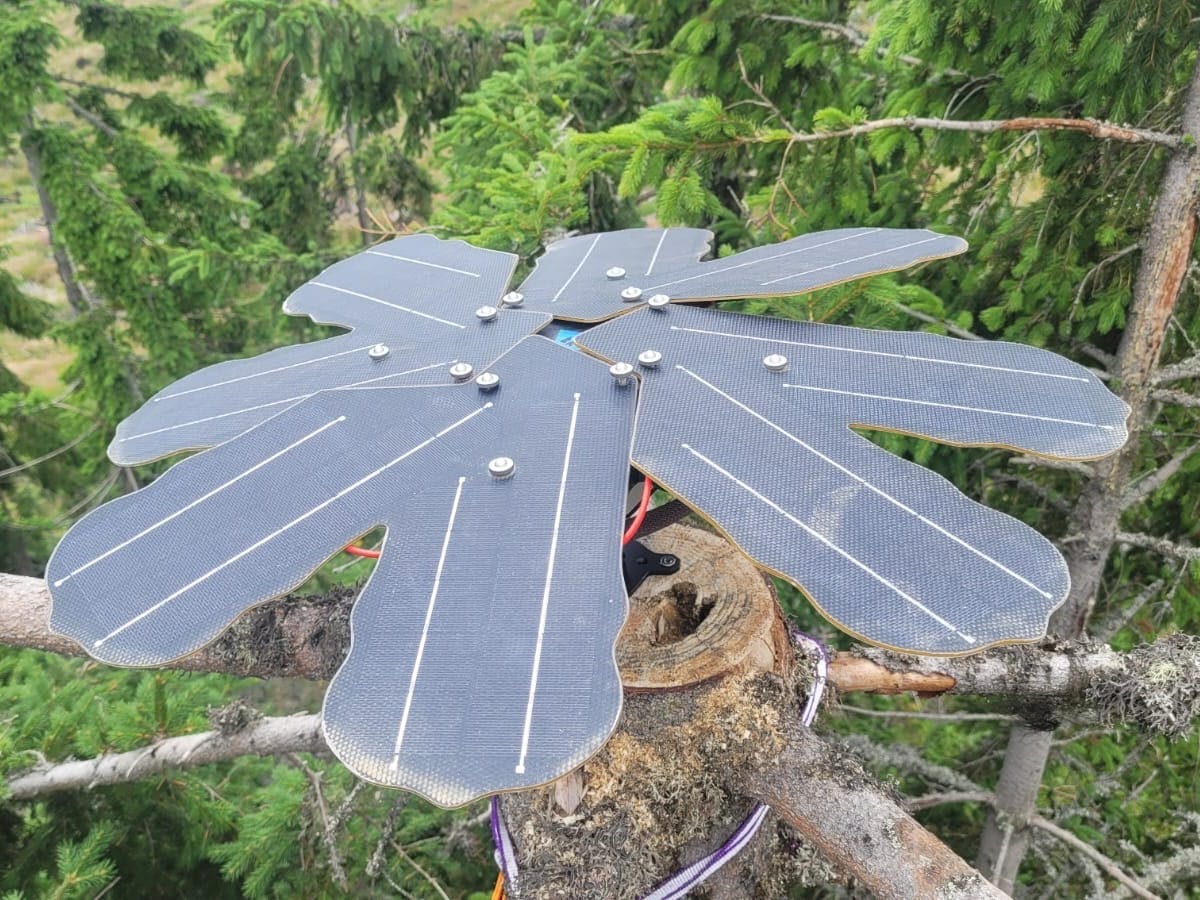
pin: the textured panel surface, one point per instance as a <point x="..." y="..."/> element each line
<point x="482" y="653"/>
<point x="574" y="278"/>
<point x="416" y="295"/>
<point x="887" y="550"/>
<point x="571" y="279"/>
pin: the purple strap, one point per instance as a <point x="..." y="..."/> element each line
<point x="683" y="881"/>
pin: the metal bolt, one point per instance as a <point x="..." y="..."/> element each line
<point x="461" y="371"/>
<point x="501" y="467"/>
<point x="658" y="301"/>
<point x="513" y="298"/>
<point x="631" y="293"/>
<point x="615" y="272"/>
<point x="650" y="358"/>
<point x="621" y="372"/>
<point x="486" y="313"/>
<point x="775" y="362"/>
<point x="379" y="351"/>
<point x="488" y="381"/>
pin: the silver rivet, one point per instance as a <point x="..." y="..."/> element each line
<point x="379" y="351"/>
<point x="658" y="301"/>
<point x="486" y="313"/>
<point x="621" y="372"/>
<point x="649" y="358"/>
<point x="461" y="371"/>
<point x="501" y="467"/>
<point x="513" y="298"/>
<point x="775" y="362"/>
<point x="615" y="272"/>
<point x="631" y="293"/>
<point x="488" y="381"/>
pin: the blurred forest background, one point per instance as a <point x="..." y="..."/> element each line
<point x="169" y="172"/>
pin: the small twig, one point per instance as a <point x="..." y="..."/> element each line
<point x="1186" y="368"/>
<point x="950" y="327"/>
<point x="856" y="38"/>
<point x="1160" y="545"/>
<point x="1148" y="484"/>
<point x="1176" y="398"/>
<point x="929" y="801"/>
<point x="1095" y="270"/>
<point x="1066" y="465"/>
<point x="1093" y="854"/>
<point x="91" y="118"/>
<point x="412" y="862"/>
<point x="377" y="861"/>
<point x="75" y="441"/>
<point x="329" y="831"/>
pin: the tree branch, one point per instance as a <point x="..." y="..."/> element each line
<point x="1105" y="131"/>
<point x="1159" y="545"/>
<point x="1150" y="483"/>
<point x="857" y="825"/>
<point x="1177" y="398"/>
<point x="1186" y="368"/>
<point x="263" y="737"/>
<point x="856" y="38"/>
<point x="308" y="637"/>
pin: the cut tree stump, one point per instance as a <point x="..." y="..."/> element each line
<point x="709" y="728"/>
<point x="706" y="660"/>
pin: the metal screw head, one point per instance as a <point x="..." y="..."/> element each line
<point x="461" y="371"/>
<point x="486" y="313"/>
<point x="379" y="351"/>
<point x="621" y="372"/>
<point x="659" y="302"/>
<point x="615" y="272"/>
<point x="513" y="298"/>
<point x="501" y="467"/>
<point x="649" y="358"/>
<point x="631" y="293"/>
<point x="775" y="362"/>
<point x="488" y="381"/>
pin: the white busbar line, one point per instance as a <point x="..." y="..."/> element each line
<point x="415" y="312"/>
<point x="882" y="493"/>
<point x="296" y="521"/>
<point x="832" y="546"/>
<point x="993" y="412"/>
<point x="571" y="277"/>
<point x="296" y="398"/>
<point x="904" y="356"/>
<point x="708" y="273"/>
<point x="421" y="262"/>
<point x="416" y="669"/>
<point x="537" y="650"/>
<point x="297" y="365"/>
<point x="657" y="248"/>
<point x="232" y="481"/>
<point x="846" y="262"/>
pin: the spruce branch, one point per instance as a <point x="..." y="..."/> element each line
<point x="1159" y="545"/>
<point x="1176" y="398"/>
<point x="1186" y="368"/>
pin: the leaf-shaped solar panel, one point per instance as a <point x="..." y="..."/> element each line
<point x="594" y="277"/>
<point x="411" y="304"/>
<point x="748" y="419"/>
<point x="482" y="653"/>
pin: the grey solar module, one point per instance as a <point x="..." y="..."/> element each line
<point x="413" y="306"/>
<point x="594" y="277"/>
<point x="748" y="419"/>
<point x="482" y="655"/>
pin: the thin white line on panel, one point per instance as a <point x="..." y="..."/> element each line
<point x="537" y="652"/>
<point x="828" y="543"/>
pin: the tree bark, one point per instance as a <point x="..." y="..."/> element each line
<point x="1166" y="252"/>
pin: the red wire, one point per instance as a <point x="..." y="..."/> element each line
<point x="630" y="532"/>
<point x="640" y="516"/>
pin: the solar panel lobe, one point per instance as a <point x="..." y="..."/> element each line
<point x="411" y="304"/>
<point x="887" y="550"/>
<point x="482" y="655"/>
